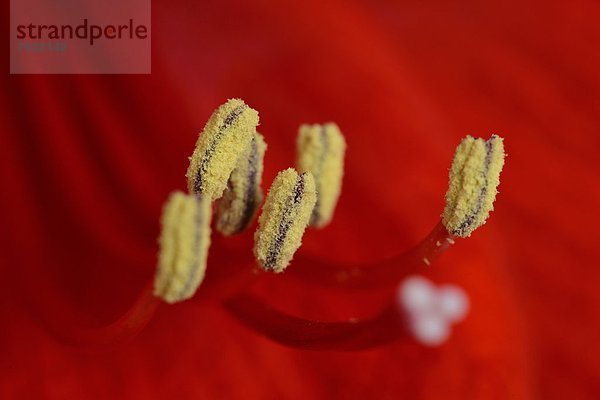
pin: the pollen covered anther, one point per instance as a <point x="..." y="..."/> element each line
<point x="184" y="243"/>
<point x="226" y="135"/>
<point x="243" y="196"/>
<point x="473" y="181"/>
<point x="284" y="218"/>
<point x="321" y="150"/>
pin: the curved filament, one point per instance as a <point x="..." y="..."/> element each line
<point x="382" y="274"/>
<point x="126" y="327"/>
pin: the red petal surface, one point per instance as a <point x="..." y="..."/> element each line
<point x="87" y="162"/>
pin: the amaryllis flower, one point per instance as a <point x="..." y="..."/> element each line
<point x="88" y="161"/>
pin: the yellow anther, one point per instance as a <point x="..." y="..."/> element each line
<point x="321" y="150"/>
<point x="183" y="242"/>
<point x="225" y="137"/>
<point x="474" y="179"/>
<point x="284" y="218"/>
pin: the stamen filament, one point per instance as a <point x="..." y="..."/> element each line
<point x="386" y="273"/>
<point x="123" y="329"/>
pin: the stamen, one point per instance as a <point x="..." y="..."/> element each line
<point x="321" y="151"/>
<point x="184" y="242"/>
<point x="243" y="195"/>
<point x="284" y="218"/>
<point x="474" y="178"/>
<point x="225" y="137"/>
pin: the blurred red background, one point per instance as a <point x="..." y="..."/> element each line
<point x="87" y="162"/>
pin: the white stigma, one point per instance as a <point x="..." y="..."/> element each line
<point x="431" y="311"/>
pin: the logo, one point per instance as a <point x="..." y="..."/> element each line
<point x="80" y="37"/>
